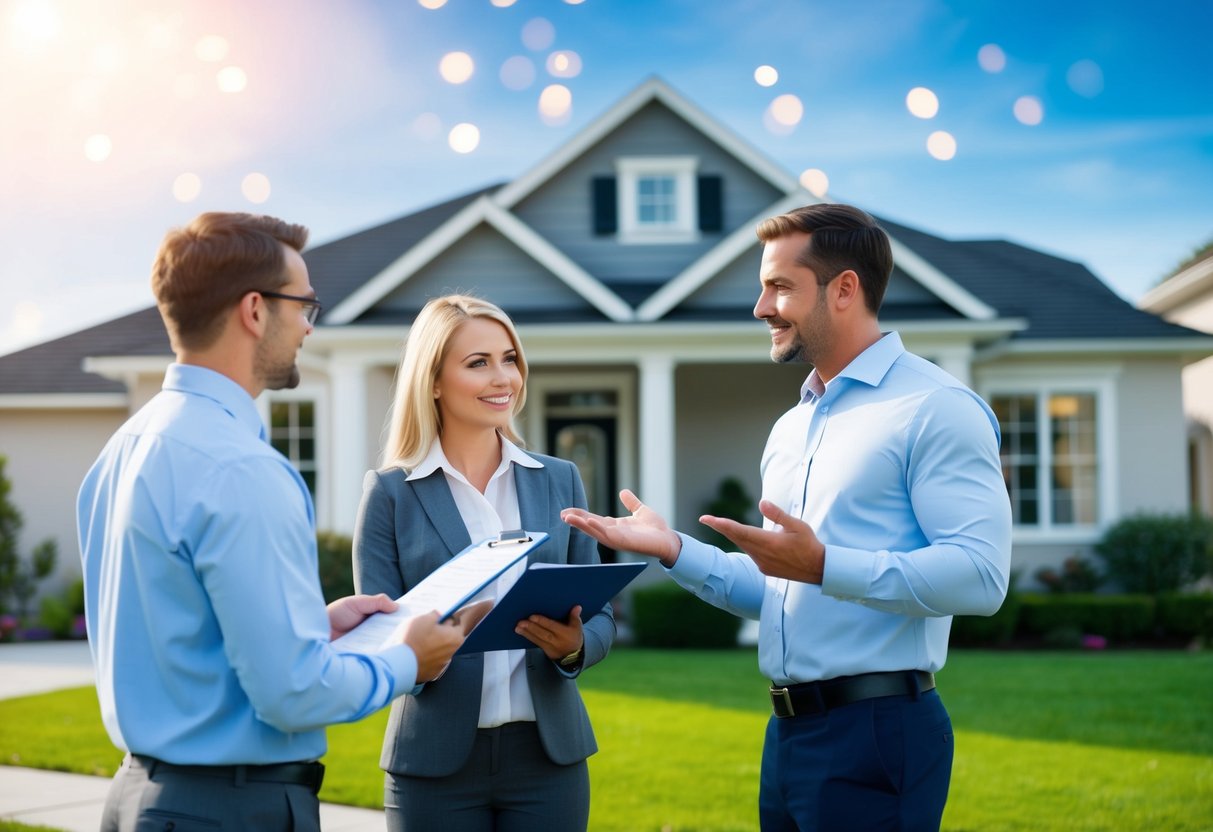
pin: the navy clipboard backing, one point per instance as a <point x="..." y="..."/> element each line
<point x="549" y="589"/>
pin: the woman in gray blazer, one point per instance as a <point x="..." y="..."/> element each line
<point x="500" y="740"/>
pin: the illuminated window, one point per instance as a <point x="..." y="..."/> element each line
<point x="1050" y="457"/>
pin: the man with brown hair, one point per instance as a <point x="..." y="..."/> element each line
<point x="885" y="515"/>
<point x="206" y="621"/>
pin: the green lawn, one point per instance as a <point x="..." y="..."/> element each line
<point x="1044" y="741"/>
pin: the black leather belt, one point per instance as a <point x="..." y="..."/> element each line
<point x="819" y="697"/>
<point x="297" y="774"/>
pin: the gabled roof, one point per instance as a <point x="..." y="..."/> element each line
<point x="1186" y="285"/>
<point x="653" y="89"/>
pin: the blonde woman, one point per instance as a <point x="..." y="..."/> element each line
<point x="500" y="741"/>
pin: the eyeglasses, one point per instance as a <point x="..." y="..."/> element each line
<point x="313" y="307"/>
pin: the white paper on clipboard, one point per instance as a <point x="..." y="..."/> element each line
<point x="446" y="589"/>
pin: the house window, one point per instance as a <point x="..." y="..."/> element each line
<point x="293" y="434"/>
<point x="658" y="199"/>
<point x="1050" y="456"/>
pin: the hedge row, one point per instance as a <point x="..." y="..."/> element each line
<point x="1115" y="617"/>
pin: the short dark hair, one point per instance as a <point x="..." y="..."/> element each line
<point x="204" y="269"/>
<point x="841" y="237"/>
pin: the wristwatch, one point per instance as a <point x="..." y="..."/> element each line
<point x="572" y="658"/>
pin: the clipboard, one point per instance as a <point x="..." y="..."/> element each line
<point x="447" y="589"/>
<point x="549" y="589"/>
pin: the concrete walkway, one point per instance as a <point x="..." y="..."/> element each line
<point x="73" y="802"/>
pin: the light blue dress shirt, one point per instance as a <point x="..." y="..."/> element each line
<point x="894" y="464"/>
<point x="205" y="616"/>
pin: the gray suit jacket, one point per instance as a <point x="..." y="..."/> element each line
<point x="404" y="531"/>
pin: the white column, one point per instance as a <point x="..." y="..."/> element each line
<point x="348" y="452"/>
<point x="957" y="361"/>
<point x="657" y="434"/>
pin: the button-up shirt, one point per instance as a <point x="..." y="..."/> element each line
<point x="895" y="465"/>
<point x="205" y="616"/>
<point x="505" y="695"/>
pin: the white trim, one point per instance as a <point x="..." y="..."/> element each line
<point x="1101" y="380"/>
<point x="442" y="239"/>
<point x="1190" y="348"/>
<point x="558" y="263"/>
<point x="314" y="394"/>
<point x="694" y="276"/>
<point x="64" y="401"/>
<point x="684" y="227"/>
<point x="938" y="283"/>
<point x="1180" y="288"/>
<point x="653" y="89"/>
<point x="400" y="269"/>
<point x="534" y="415"/>
<point x="123" y="367"/>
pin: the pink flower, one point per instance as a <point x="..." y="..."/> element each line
<point x="1094" y="642"/>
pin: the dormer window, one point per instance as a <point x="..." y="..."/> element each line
<point x="657" y="199"/>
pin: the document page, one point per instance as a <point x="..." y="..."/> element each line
<point x="446" y="589"/>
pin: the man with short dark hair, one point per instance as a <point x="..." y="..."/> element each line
<point x="885" y="515"/>
<point x="206" y="620"/>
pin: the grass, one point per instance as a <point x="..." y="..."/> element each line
<point x="1045" y="741"/>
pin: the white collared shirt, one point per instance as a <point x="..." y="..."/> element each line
<point x="504" y="693"/>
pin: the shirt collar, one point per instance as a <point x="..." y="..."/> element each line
<point x="436" y="459"/>
<point x="869" y="367"/>
<point x="201" y="381"/>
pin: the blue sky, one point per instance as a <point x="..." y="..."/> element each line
<point x="342" y="109"/>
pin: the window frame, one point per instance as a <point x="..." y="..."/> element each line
<point x="1043" y="383"/>
<point x="315" y="396"/>
<point x="684" y="228"/>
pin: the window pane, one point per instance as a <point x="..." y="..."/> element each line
<point x="1074" y="476"/>
<point x="655" y="200"/>
<point x="1020" y="454"/>
<point x="292" y="433"/>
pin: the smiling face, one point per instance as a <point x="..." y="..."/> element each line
<point x="479" y="382"/>
<point x="792" y="303"/>
<point x="274" y="361"/>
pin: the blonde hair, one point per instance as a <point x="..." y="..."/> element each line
<point x="414" y="419"/>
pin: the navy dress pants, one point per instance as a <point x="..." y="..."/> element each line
<point x="874" y="765"/>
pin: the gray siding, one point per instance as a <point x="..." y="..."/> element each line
<point x="487" y="264"/>
<point x="736" y="285"/>
<point x="561" y="211"/>
<point x="1152" y="438"/>
<point x="724" y="413"/>
<point x="905" y="289"/>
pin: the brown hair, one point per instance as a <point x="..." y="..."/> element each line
<point x="841" y="237"/>
<point x="203" y="269"/>
<point x="414" y="420"/>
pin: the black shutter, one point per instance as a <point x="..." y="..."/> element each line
<point x="711" y="203"/>
<point x="606" y="212"/>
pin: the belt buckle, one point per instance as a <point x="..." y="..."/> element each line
<point x="781" y="703"/>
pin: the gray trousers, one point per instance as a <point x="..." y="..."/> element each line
<point x="507" y="785"/>
<point x="143" y="798"/>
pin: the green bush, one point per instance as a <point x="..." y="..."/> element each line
<point x="1188" y="616"/>
<point x="989" y="630"/>
<point x="55" y="614"/>
<point x="1120" y="617"/>
<point x="666" y="615"/>
<point x="732" y="502"/>
<point x="336" y="562"/>
<point x="1155" y="553"/>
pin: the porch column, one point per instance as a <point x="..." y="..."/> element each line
<point x="657" y="434"/>
<point x="958" y="362"/>
<point x="348" y="456"/>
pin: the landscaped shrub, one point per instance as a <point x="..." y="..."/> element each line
<point x="336" y="562"/>
<point x="1157" y="553"/>
<point x="733" y="502"/>
<point x="1188" y="616"/>
<point x="1119" y="617"/>
<point x="666" y="615"/>
<point x="1076" y="574"/>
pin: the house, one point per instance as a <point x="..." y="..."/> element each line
<point x="628" y="259"/>
<point x="1187" y="298"/>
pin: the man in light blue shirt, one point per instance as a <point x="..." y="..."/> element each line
<point x="885" y="515"/>
<point x="205" y="616"/>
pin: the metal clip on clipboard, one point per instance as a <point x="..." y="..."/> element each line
<point x="510" y="537"/>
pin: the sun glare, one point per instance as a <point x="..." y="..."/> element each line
<point x="98" y="147"/>
<point x="555" y="104"/>
<point x="815" y="182"/>
<point x="212" y="49"/>
<point x="503" y="4"/>
<point x="464" y="138"/>
<point x="766" y="76"/>
<point x="991" y="58"/>
<point x="1086" y="78"/>
<point x="783" y="114"/>
<point x="456" y="67"/>
<point x="564" y="64"/>
<point x="1028" y="110"/>
<point x="256" y="188"/>
<point x="432" y="4"/>
<point x="538" y="34"/>
<point x="35" y="22"/>
<point x="187" y="187"/>
<point x="921" y="102"/>
<point x="231" y="79"/>
<point x="941" y="145"/>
